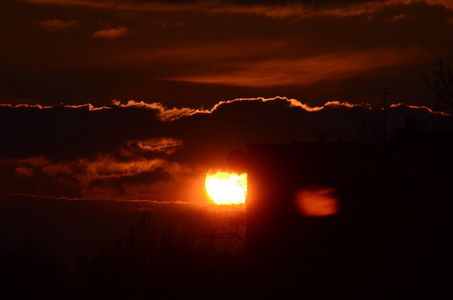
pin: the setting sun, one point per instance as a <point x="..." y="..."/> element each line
<point x="226" y="188"/>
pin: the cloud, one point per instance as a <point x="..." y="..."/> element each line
<point x="212" y="52"/>
<point x="125" y="176"/>
<point x="122" y="5"/>
<point x="156" y="145"/>
<point x="108" y="172"/>
<point x="273" y="9"/>
<point x="399" y="17"/>
<point x="88" y="106"/>
<point x="113" y="33"/>
<point x="67" y="132"/>
<point x="420" y="107"/>
<point x="306" y="70"/>
<point x="167" y="24"/>
<point x="164" y="114"/>
<point x="56" y="24"/>
<point x="127" y="151"/>
<point x="24" y="171"/>
<point x="330" y="8"/>
<point x="106" y="166"/>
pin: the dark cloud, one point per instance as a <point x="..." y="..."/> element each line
<point x="70" y="132"/>
<point x="348" y="7"/>
<point x="139" y="150"/>
<point x="135" y="186"/>
<point x="56" y="24"/>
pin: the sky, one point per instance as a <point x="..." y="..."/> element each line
<point x="137" y="99"/>
<point x="197" y="53"/>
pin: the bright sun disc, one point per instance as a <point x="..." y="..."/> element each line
<point x="226" y="188"/>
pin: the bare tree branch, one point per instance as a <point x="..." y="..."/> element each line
<point x="441" y="84"/>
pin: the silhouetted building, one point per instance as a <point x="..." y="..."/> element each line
<point x="349" y="220"/>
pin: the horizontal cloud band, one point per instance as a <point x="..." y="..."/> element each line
<point x="139" y="150"/>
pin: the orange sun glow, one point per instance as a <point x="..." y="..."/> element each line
<point x="225" y="187"/>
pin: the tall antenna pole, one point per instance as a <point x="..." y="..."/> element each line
<point x="384" y="94"/>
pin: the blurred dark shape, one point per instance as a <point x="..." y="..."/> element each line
<point x="237" y="161"/>
<point x="387" y="236"/>
<point x="312" y="202"/>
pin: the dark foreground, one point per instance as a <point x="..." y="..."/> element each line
<point x="54" y="249"/>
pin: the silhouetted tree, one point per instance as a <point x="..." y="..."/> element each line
<point x="369" y="132"/>
<point x="199" y="252"/>
<point x="441" y="84"/>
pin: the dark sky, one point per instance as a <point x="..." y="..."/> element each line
<point x="190" y="53"/>
<point x="109" y="99"/>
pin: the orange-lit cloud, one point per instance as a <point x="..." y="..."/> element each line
<point x="399" y="17"/>
<point x="167" y="24"/>
<point x="24" y="171"/>
<point x="56" y="24"/>
<point x="296" y="103"/>
<point x="113" y="33"/>
<point x="275" y="10"/>
<point x="290" y="103"/>
<point x="336" y="9"/>
<point x="156" y="145"/>
<point x="306" y="70"/>
<point x="105" y="175"/>
<point x="106" y="167"/>
<point x="39" y="106"/>
<point x="164" y="114"/>
<point x="119" y="5"/>
<point x="166" y="144"/>
<point x="422" y="107"/>
<point x="173" y="114"/>
<point x="118" y="179"/>
<point x="137" y="167"/>
<point x="32" y="162"/>
<point x="211" y="52"/>
<point x="88" y="106"/>
<point x="103" y="166"/>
